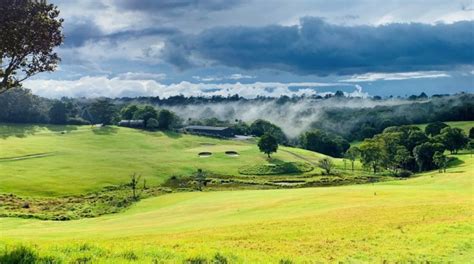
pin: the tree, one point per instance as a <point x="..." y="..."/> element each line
<point x="134" y="181"/>
<point x="29" y="31"/>
<point x="326" y="164"/>
<point x="145" y="113"/>
<point x="165" y="119"/>
<point x="103" y="111"/>
<point x="453" y="139"/>
<point x="372" y="154"/>
<point x="260" y="127"/>
<point x="58" y="113"/>
<point x="200" y="179"/>
<point x="320" y="141"/>
<point x="351" y="154"/>
<point x="434" y="129"/>
<point x="440" y="160"/>
<point x="470" y="146"/>
<point x="128" y="112"/>
<point x="268" y="144"/>
<point x="152" y="124"/>
<point x="402" y="157"/>
<point x="423" y="154"/>
<point x="471" y="133"/>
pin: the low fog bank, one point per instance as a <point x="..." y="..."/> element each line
<point x="294" y="117"/>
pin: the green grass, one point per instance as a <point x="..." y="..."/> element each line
<point x="42" y="161"/>
<point x="424" y="219"/>
<point x="276" y="168"/>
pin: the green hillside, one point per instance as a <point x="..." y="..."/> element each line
<point x="65" y="160"/>
<point x="427" y="218"/>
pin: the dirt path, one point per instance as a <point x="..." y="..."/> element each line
<point x="29" y="156"/>
<point x="300" y="157"/>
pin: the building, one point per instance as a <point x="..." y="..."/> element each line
<point x="132" y="123"/>
<point x="226" y="132"/>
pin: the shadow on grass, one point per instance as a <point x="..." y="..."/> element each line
<point x="454" y="162"/>
<point x="19" y="131"/>
<point x="172" y="134"/>
<point x="106" y="130"/>
<point x="24" y="130"/>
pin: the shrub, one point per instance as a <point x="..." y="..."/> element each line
<point x="26" y="255"/>
<point x="196" y="260"/>
<point x="152" y="123"/>
<point x="219" y="259"/>
<point x="130" y="255"/>
<point x="274" y="169"/>
<point x="404" y="173"/>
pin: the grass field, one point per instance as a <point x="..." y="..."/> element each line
<point x="65" y="160"/>
<point x="425" y="219"/>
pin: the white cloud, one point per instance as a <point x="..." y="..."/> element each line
<point x="141" y="76"/>
<point x="370" y="77"/>
<point x="235" y="76"/>
<point x="122" y="87"/>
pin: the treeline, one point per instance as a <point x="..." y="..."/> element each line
<point x="406" y="149"/>
<point x="360" y="123"/>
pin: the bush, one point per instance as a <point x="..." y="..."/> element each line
<point x="274" y="169"/>
<point x="404" y="173"/>
<point x="26" y="255"/>
<point x="152" y="123"/>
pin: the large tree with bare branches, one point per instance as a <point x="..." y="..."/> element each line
<point x="29" y="32"/>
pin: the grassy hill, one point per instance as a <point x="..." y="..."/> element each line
<point x="68" y="160"/>
<point x="423" y="219"/>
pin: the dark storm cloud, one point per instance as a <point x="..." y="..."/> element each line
<point x="78" y="32"/>
<point x="316" y="47"/>
<point x="174" y="6"/>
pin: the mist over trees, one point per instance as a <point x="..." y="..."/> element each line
<point x="339" y="119"/>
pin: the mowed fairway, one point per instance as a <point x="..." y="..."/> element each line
<point x="65" y="160"/>
<point x="427" y="218"/>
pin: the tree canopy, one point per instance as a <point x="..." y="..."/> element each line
<point x="268" y="144"/>
<point x="29" y="31"/>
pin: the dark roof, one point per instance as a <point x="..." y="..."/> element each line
<point x="206" y="128"/>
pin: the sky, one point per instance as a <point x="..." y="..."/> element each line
<point x="128" y="48"/>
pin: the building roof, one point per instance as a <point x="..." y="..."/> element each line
<point x="206" y="128"/>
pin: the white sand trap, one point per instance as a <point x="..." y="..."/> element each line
<point x="205" y="154"/>
<point x="232" y="153"/>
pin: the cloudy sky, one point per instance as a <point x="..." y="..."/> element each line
<point x="119" y="48"/>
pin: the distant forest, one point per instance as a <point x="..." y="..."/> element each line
<point x="349" y="118"/>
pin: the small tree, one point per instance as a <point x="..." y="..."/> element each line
<point x="441" y="161"/>
<point x="471" y="133"/>
<point x="268" y="144"/>
<point x="165" y="119"/>
<point x="352" y="154"/>
<point x="454" y="139"/>
<point x="134" y="181"/>
<point x="470" y="146"/>
<point x="326" y="164"/>
<point x="200" y="179"/>
<point x="152" y="124"/>
<point x="434" y="129"/>
<point x="103" y="111"/>
<point x="58" y="113"/>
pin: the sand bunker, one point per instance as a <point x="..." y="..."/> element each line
<point x="205" y="154"/>
<point x="232" y="153"/>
